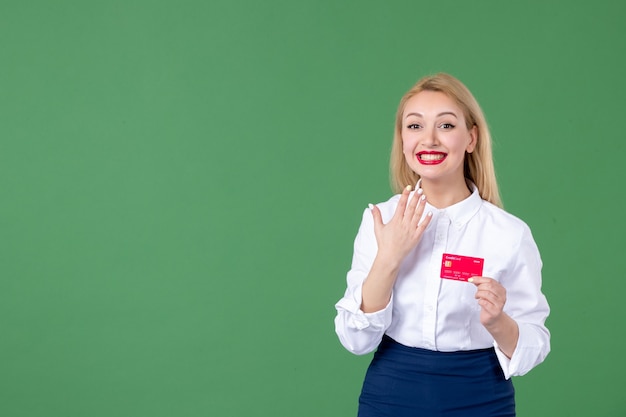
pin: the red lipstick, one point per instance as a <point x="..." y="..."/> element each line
<point x="430" y="157"/>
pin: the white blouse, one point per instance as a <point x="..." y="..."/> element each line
<point x="429" y="312"/>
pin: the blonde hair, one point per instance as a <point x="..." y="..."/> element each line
<point x="479" y="167"/>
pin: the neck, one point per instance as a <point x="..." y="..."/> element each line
<point x="442" y="195"/>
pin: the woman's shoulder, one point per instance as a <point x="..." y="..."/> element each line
<point x="502" y="217"/>
<point x="388" y="208"/>
<point x="392" y="201"/>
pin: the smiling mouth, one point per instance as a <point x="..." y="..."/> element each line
<point x="431" y="158"/>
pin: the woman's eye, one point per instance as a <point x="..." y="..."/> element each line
<point x="413" y="126"/>
<point x="447" y="125"/>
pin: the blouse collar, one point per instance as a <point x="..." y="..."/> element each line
<point x="459" y="213"/>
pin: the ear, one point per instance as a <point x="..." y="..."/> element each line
<point x="473" y="139"/>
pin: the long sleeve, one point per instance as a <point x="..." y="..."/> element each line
<point x="528" y="307"/>
<point x="360" y="332"/>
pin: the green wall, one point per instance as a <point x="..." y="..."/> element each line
<point x="181" y="183"/>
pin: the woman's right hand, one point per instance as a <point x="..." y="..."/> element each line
<point x="404" y="231"/>
<point x="395" y="240"/>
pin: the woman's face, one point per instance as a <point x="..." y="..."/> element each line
<point x="435" y="137"/>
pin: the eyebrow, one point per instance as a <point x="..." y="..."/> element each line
<point x="439" y="115"/>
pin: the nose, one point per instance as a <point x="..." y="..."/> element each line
<point x="430" y="138"/>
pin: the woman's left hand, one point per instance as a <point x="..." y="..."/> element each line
<point x="491" y="296"/>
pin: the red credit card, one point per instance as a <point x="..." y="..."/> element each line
<point x="461" y="268"/>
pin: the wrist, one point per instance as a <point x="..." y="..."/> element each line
<point x="388" y="261"/>
<point x="505" y="332"/>
<point x="499" y="324"/>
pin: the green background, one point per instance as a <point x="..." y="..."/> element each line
<point x="181" y="183"/>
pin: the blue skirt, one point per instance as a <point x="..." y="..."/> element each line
<point x="404" y="381"/>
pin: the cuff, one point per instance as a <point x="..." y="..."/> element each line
<point x="505" y="362"/>
<point x="359" y="320"/>
<point x="529" y="352"/>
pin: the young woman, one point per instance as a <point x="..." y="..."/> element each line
<point x="444" y="284"/>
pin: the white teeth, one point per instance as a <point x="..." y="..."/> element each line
<point x="431" y="156"/>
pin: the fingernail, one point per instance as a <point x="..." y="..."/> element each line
<point x="470" y="280"/>
<point x="370" y="205"/>
<point x="430" y="214"/>
<point x="420" y="191"/>
<point x="423" y="198"/>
